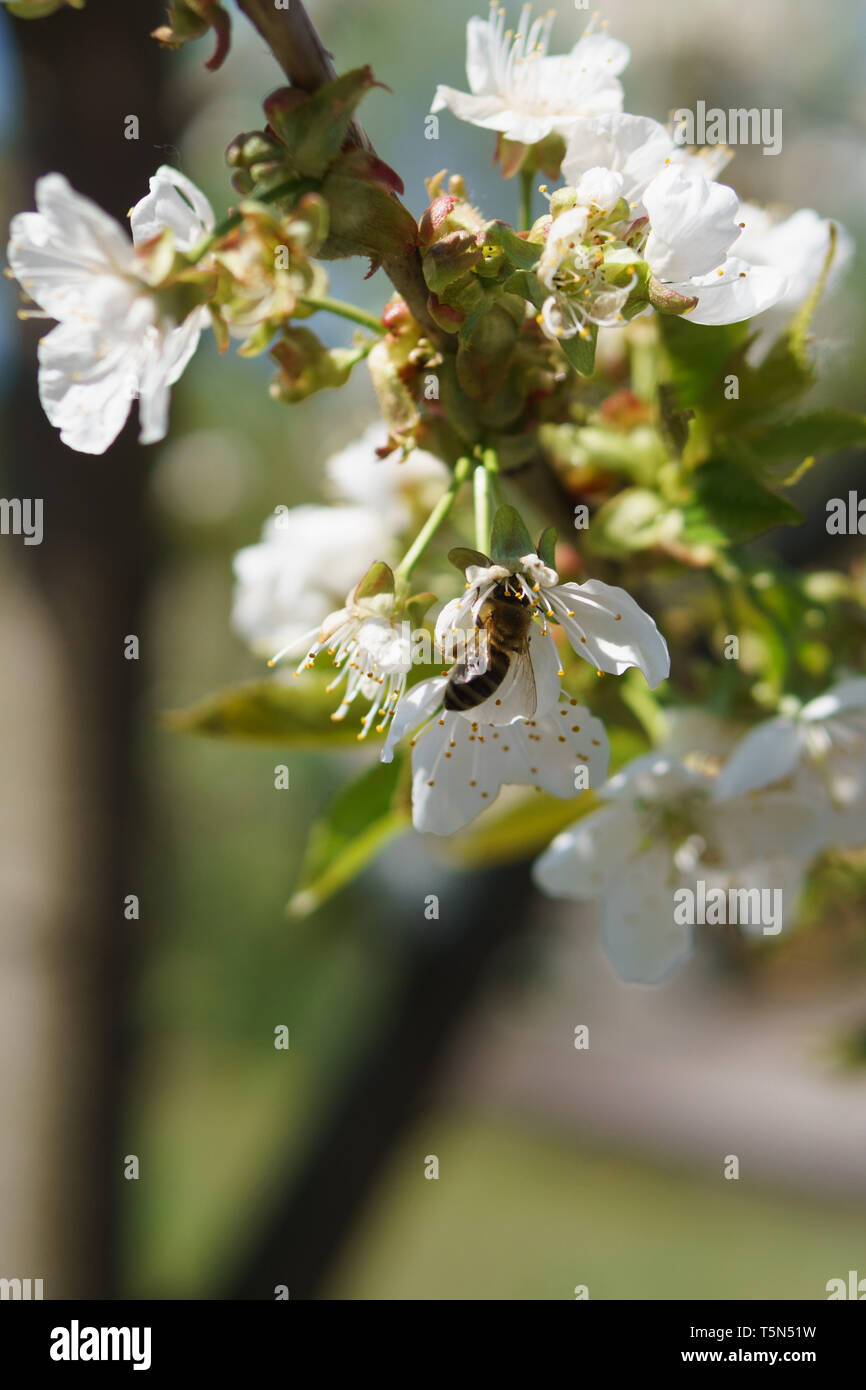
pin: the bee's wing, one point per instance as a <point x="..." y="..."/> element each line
<point x="521" y="681"/>
<point x="473" y="663"/>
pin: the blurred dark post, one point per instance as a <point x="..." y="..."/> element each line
<point x="297" y="1241"/>
<point x="70" y="796"/>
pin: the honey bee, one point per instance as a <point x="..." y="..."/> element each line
<point x="505" y="618"/>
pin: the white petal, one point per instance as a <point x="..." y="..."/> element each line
<point x="638" y="931"/>
<point x="392" y="485"/>
<point x="607" y="628"/>
<point x="86" y="386"/>
<point x="847" y="695"/>
<point x="479" y="37"/>
<point x="740" y="292"/>
<point x="837" y="787"/>
<point x="583" y="860"/>
<point x="553" y="748"/>
<point x="163" y="364"/>
<point x="454" y="625"/>
<point x="767" y="754"/>
<point x="61" y="253"/>
<point x="602" y="53"/>
<point x="489" y="111"/>
<point x="413" y="708"/>
<point x="458" y="769"/>
<point x="175" y="202"/>
<point x="635" y="146"/>
<point x="759" y="826"/>
<point x="654" y="777"/>
<point x="308" y="559"/>
<point x="785" y="875"/>
<point x="693" y="225"/>
<point x="601" y="188"/>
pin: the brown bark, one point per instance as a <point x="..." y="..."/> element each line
<point x="70" y="811"/>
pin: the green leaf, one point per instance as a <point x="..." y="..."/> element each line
<point x="546" y="548"/>
<point x="313" y="128"/>
<point x="821" y="432"/>
<point x="520" y="830"/>
<point x="634" y="519"/>
<point x="290" y="714"/>
<point x="526" y="284"/>
<point x="463" y="557"/>
<point x="509" y="538"/>
<point x="580" y="351"/>
<point x="675" y="423"/>
<point x="379" y="579"/>
<point x="521" y="253"/>
<point x="364" y="817"/>
<point x="698" y="356"/>
<point x="417" y="607"/>
<point x="730" y="506"/>
<point x="668" y="301"/>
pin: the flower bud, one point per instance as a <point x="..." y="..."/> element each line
<point x="306" y="365"/>
<point x="39" y="9"/>
<point x="190" y="19"/>
<point x="667" y="301"/>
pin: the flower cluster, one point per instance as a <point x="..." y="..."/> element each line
<point x="483" y="360"/>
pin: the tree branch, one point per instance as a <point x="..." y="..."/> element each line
<point x="292" y="38"/>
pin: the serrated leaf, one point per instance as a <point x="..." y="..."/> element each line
<point x="730" y="506"/>
<point x="313" y="129"/>
<point x="364" y="817"/>
<point x="821" y="432"/>
<point x="293" y="713"/>
<point x="509" y="538"/>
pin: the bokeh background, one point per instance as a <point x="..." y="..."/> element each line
<point x="409" y="1038"/>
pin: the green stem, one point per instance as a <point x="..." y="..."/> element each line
<point x="527" y="177"/>
<point x="434" y="520"/>
<point x="345" y="311"/>
<point x="643" y="353"/>
<point x="228" y="224"/>
<point x="482" y="487"/>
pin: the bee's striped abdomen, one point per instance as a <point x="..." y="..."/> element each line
<point x="461" y="695"/>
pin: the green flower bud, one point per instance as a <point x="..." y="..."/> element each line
<point x="39" y="9"/>
<point x="306" y="365"/>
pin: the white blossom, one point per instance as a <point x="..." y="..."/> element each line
<point x="798" y="246"/>
<point x="573" y="265"/>
<point x="393" y="486"/>
<point x="636" y="147"/>
<point x="821" y="752"/>
<point x="662" y="830"/>
<point x="114" y="341"/>
<point x="518" y="89"/>
<point x="693" y="226"/>
<point x="299" y="572"/>
<point x="461" y="760"/>
<point x="527" y="731"/>
<point x="371" y="651"/>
